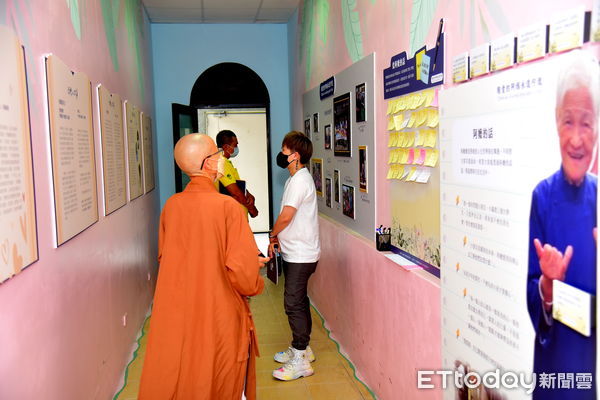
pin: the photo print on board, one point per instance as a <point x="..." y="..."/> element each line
<point x="361" y="103"/>
<point x="341" y="126"/>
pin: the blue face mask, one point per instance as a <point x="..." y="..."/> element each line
<point x="236" y="151"/>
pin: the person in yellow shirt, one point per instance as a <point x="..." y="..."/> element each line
<point x="230" y="181"/>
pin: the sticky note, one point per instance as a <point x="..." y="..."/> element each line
<point x="390" y="107"/>
<point x="390" y="124"/>
<point x="428" y="97"/>
<point x="398" y="121"/>
<point x="411" y="156"/>
<point x="411" y="174"/>
<point x="424" y="175"/>
<point x="390" y="173"/>
<point x="421" y="159"/>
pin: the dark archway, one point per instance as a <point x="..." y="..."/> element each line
<point x="233" y="85"/>
<point x="229" y="85"/>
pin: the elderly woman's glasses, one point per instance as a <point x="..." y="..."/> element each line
<point x="209" y="156"/>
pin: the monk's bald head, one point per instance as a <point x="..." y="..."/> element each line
<point x="191" y="150"/>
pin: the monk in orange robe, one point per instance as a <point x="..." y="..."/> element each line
<point x="202" y="342"/>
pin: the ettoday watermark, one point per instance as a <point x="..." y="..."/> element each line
<point x="508" y="380"/>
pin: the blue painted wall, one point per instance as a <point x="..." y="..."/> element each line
<point x="182" y="52"/>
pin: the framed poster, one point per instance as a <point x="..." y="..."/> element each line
<point x="362" y="168"/>
<point x="316" y="122"/>
<point x="134" y="151"/>
<point x="361" y="104"/>
<point x="341" y="126"/>
<point x="348" y="201"/>
<point x="148" y="154"/>
<point x="307" y="127"/>
<point x="18" y="238"/>
<point x="336" y="185"/>
<point x="328" y="192"/>
<point x="327" y="137"/>
<point x="317" y="173"/>
<point x="72" y="146"/>
<point x="113" y="150"/>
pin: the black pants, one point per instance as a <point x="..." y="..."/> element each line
<point x="296" y="302"/>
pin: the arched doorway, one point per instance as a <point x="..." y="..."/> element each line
<point x="232" y="96"/>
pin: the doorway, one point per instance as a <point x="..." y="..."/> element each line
<point x="250" y="127"/>
<point x="232" y="96"/>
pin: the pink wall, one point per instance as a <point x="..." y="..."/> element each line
<point x="386" y="319"/>
<point x="61" y="332"/>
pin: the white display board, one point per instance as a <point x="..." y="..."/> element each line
<point x="18" y="237"/>
<point x="113" y="150"/>
<point x="72" y="140"/>
<point x="346" y="172"/>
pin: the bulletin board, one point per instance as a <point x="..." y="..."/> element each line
<point x="342" y="130"/>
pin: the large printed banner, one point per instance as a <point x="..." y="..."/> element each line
<point x="518" y="212"/>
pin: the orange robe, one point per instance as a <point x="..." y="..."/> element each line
<point x="202" y="342"/>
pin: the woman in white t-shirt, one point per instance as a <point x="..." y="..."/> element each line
<point x="296" y="231"/>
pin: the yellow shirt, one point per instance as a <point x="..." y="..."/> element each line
<point x="230" y="175"/>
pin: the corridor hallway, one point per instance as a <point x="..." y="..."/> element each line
<point x="334" y="377"/>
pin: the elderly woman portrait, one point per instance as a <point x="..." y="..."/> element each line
<point x="562" y="233"/>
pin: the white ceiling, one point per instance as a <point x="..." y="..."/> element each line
<point x="220" y="11"/>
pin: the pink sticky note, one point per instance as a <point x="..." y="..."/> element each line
<point x="434" y="102"/>
<point x="411" y="156"/>
<point x="421" y="159"/>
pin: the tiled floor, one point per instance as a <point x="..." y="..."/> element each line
<point x="334" y="376"/>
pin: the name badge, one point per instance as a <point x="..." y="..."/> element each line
<point x="572" y="307"/>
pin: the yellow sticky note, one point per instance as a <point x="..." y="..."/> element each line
<point x="432" y="138"/>
<point x="398" y="121"/>
<point x="396" y="137"/>
<point x="411" y="174"/>
<point x="433" y="119"/>
<point x="398" y="105"/>
<point x="390" y="107"/>
<point x="404" y="157"/>
<point x="390" y="123"/>
<point x="391" y="156"/>
<point x="391" y="139"/>
<point x="399" y="172"/>
<point x="412" y="120"/>
<point x="434" y="158"/>
<point x="411" y="139"/>
<point x="421" y="99"/>
<point x="428" y="97"/>
<point x="421" y="117"/>
<point x="420" y="139"/>
<point x="395" y="155"/>
<point x="390" y="173"/>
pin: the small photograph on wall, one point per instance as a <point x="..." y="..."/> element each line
<point x="328" y="192"/>
<point x="336" y="185"/>
<point x="316" y="122"/>
<point x="307" y="127"/>
<point x="341" y="126"/>
<point x="348" y="201"/>
<point x="361" y="100"/>
<point x="317" y="173"/>
<point x="362" y="168"/>
<point x="327" y="137"/>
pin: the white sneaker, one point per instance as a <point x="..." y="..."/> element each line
<point x="286" y="355"/>
<point x="297" y="367"/>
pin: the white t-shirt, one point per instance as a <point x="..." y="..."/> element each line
<point x="299" y="241"/>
